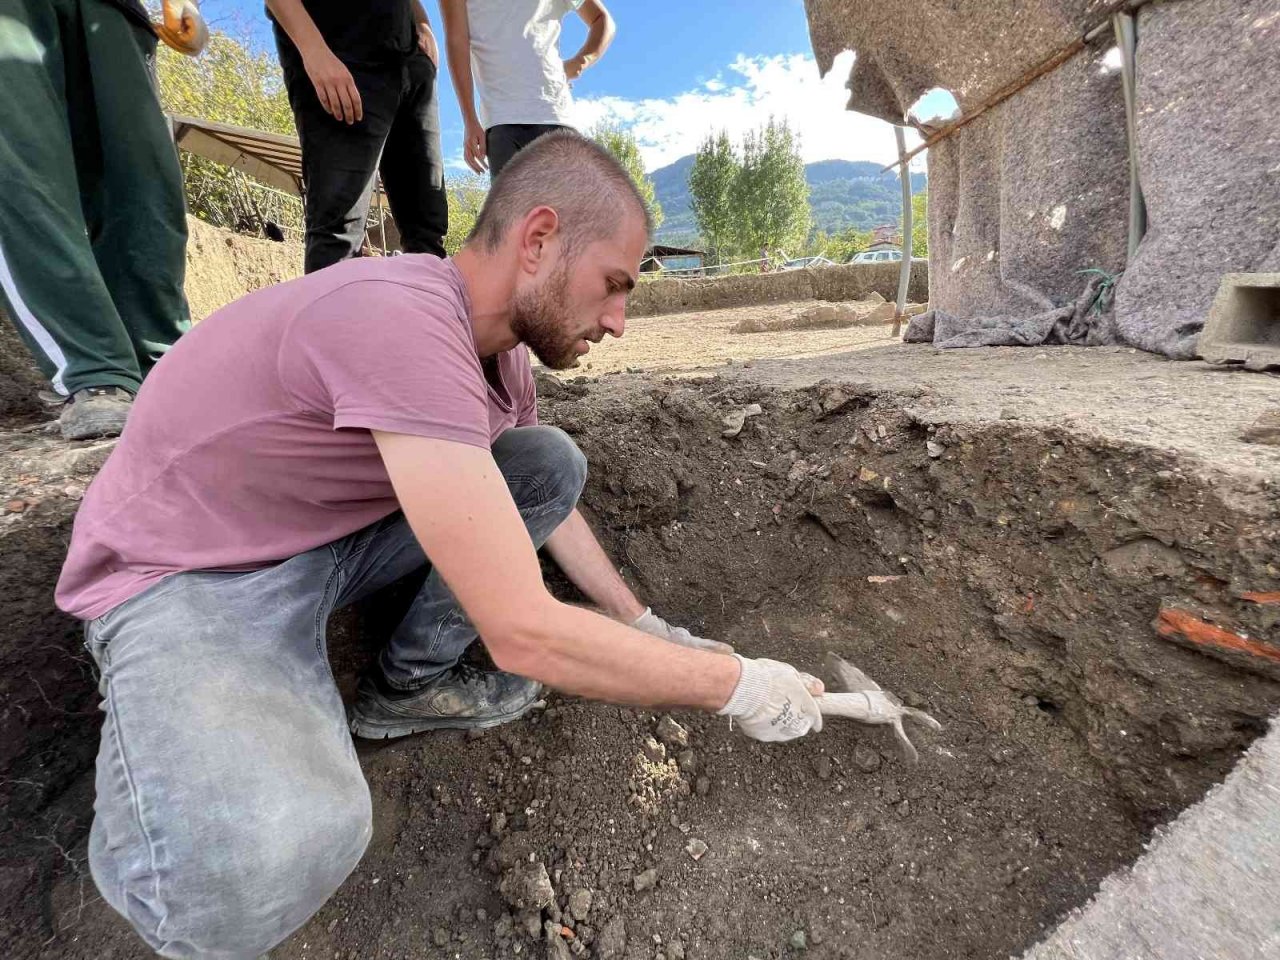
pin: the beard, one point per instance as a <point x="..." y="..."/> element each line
<point x="538" y="318"/>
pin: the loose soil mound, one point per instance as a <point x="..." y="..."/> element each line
<point x="867" y="312"/>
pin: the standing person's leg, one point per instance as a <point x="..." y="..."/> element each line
<point x="413" y="163"/>
<point x="230" y="802"/>
<point x="132" y="184"/>
<point x="505" y="140"/>
<point x="50" y="280"/>
<point x="338" y="159"/>
<point x="418" y="683"/>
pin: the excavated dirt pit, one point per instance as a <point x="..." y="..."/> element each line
<point x="1002" y="576"/>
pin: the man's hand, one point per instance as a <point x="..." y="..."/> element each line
<point x="183" y="28"/>
<point x="334" y="85"/>
<point x="774" y="701"/>
<point x="574" y="66"/>
<point x="427" y="43"/>
<point x="474" y="149"/>
<point x="654" y="625"/>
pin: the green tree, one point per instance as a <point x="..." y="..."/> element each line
<point x="848" y="243"/>
<point x="920" y="224"/>
<point x="770" y="193"/>
<point x="622" y="144"/>
<point x="466" y="197"/>
<point x="229" y="83"/>
<point x="711" y="184"/>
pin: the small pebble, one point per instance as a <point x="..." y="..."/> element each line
<point x="865" y="758"/>
<point x="653" y="751"/>
<point x="672" y="734"/>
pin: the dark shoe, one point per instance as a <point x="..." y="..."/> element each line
<point x="95" y="412"/>
<point x="461" y="698"/>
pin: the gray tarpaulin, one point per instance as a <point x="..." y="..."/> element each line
<point x="1036" y="190"/>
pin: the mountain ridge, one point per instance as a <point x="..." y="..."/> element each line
<point x="842" y="194"/>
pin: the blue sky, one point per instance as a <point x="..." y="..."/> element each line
<point x="676" y="72"/>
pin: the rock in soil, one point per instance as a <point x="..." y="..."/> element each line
<point x="1266" y="429"/>
<point x="526" y="886"/>
<point x="672" y="734"/>
<point x="646" y="880"/>
<point x="612" y="942"/>
<point x="866" y="759"/>
<point x="557" y="946"/>
<point x="580" y="904"/>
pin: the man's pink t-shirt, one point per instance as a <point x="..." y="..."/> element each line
<point x="249" y="442"/>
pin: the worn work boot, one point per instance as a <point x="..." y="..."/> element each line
<point x="95" y="412"/>
<point x="461" y="698"/>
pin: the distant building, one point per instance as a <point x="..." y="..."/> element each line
<point x="661" y="257"/>
<point x="885" y="238"/>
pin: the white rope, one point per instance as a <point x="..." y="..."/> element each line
<point x="702" y="269"/>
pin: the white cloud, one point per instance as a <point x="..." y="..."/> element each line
<point x="743" y="96"/>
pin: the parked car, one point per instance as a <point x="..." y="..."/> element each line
<point x="878" y="256"/>
<point x="804" y="263"/>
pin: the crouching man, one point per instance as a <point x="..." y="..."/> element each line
<point x="306" y="446"/>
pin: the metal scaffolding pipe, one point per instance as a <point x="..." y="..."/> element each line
<point x="904" y="276"/>
<point x="1126" y="33"/>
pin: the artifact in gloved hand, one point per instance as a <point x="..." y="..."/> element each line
<point x="867" y="703"/>
<point x="183" y="27"/>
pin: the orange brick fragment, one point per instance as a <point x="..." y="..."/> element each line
<point x="1172" y="622"/>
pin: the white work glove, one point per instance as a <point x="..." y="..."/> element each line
<point x="774" y="701"/>
<point x="654" y="625"/>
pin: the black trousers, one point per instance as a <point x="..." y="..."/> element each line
<point x="399" y="137"/>
<point x="504" y="140"/>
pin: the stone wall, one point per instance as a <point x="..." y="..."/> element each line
<point x="844" y="282"/>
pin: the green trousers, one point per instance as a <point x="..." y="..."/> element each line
<point x="93" y="227"/>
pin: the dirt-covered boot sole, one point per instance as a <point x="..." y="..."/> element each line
<point x="389" y="725"/>
<point x="368" y="728"/>
<point x="107" y="421"/>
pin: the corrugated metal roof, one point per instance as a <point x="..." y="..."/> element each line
<point x="273" y="158"/>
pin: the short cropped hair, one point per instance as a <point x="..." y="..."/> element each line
<point x="576" y="177"/>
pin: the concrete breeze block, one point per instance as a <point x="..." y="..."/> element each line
<point x="1244" y="322"/>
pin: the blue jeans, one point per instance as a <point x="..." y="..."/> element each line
<point x="230" y="803"/>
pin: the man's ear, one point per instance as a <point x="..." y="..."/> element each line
<point x="539" y="226"/>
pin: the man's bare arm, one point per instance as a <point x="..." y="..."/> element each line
<point x="457" y="45"/>
<point x="335" y="87"/>
<point x="422" y="29"/>
<point x="578" y="553"/>
<point x="461" y="511"/>
<point x="600" y="33"/>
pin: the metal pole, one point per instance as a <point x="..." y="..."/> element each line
<point x="1126" y="32"/>
<point x="382" y="219"/>
<point x="904" y="276"/>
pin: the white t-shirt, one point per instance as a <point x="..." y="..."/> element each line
<point x="516" y="62"/>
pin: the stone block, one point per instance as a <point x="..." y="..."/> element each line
<point x="1244" y="322"/>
